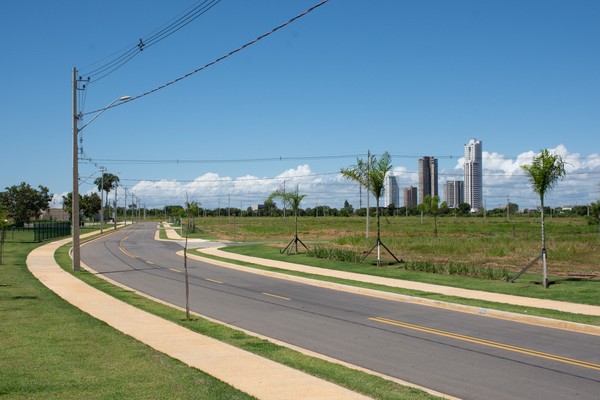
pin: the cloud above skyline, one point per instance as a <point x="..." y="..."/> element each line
<point x="503" y="181"/>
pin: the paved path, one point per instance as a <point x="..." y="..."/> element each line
<point x="245" y="371"/>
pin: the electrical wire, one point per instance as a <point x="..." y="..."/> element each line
<point x="210" y="64"/>
<point x="125" y="55"/>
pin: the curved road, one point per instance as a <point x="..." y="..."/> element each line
<point x="464" y="355"/>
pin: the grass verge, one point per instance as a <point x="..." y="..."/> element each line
<point x="527" y="286"/>
<point x="52" y="350"/>
<point x="358" y="381"/>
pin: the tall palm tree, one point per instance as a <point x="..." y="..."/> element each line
<point x="371" y="174"/>
<point x="105" y="183"/>
<point x="293" y="200"/>
<point x="543" y="173"/>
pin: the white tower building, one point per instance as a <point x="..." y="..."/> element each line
<point x="473" y="175"/>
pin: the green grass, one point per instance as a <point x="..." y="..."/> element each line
<point x="361" y="382"/>
<point x="52" y="350"/>
<point x="573" y="245"/>
<point x="527" y="286"/>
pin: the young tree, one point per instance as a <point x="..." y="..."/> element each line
<point x="23" y="203"/>
<point x="293" y="200"/>
<point x="371" y="174"/>
<point x="543" y="173"/>
<point x="192" y="208"/>
<point x="431" y="205"/>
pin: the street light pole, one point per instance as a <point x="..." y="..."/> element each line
<point x="76" y="260"/>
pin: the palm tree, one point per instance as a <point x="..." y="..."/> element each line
<point x="371" y="174"/>
<point x="293" y="200"/>
<point x="105" y="183"/>
<point x="544" y="172"/>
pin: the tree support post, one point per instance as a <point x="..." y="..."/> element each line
<point x="294" y="242"/>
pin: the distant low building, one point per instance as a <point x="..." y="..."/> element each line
<point x="55" y="214"/>
<point x="257" y="207"/>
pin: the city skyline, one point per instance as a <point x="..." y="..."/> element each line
<point x="407" y="78"/>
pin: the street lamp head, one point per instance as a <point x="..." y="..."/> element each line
<point x="124" y="98"/>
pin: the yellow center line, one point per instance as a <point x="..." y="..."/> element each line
<point x="213" y="280"/>
<point x="127" y="252"/>
<point x="276" y="296"/>
<point x="174" y="270"/>
<point x="489" y="343"/>
<point x="149" y="262"/>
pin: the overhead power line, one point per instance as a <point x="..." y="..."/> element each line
<point x="215" y="61"/>
<point x="122" y="57"/>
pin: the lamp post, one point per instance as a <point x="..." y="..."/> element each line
<point x="76" y="262"/>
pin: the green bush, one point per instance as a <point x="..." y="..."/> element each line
<point x="334" y="253"/>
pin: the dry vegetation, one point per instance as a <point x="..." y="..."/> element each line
<point x="573" y="245"/>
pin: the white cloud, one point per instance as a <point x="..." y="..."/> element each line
<point x="503" y="179"/>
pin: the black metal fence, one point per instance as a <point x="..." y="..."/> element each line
<point x="37" y="231"/>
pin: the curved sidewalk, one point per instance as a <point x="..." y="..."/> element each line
<point x="245" y="371"/>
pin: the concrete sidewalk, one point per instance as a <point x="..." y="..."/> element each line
<point x="245" y="371"/>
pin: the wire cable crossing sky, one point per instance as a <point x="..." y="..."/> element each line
<point x="210" y="64"/>
<point x="414" y="79"/>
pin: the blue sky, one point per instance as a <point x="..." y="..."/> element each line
<point x="412" y="78"/>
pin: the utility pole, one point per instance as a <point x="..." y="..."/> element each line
<point x="116" y="208"/>
<point x="368" y="189"/>
<point x="125" y="208"/>
<point x="102" y="201"/>
<point x="76" y="262"/>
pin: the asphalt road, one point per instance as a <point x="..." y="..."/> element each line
<point x="464" y="355"/>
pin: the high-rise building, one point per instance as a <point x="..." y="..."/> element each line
<point x="410" y="197"/>
<point x="391" y="191"/>
<point x="455" y="192"/>
<point x="428" y="177"/>
<point x="473" y="175"/>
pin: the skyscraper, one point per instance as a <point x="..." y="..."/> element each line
<point x="473" y="175"/>
<point x="454" y="193"/>
<point x="410" y="197"/>
<point x="392" y="191"/>
<point x="428" y="177"/>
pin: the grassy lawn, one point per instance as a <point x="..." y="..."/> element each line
<point x="574" y="290"/>
<point x="573" y="245"/>
<point x="52" y="350"/>
<point x="361" y="382"/>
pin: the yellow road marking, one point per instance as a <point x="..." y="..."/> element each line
<point x="276" y="296"/>
<point x="174" y="270"/>
<point x="127" y="252"/>
<point x="149" y="262"/>
<point x="489" y="343"/>
<point x="213" y="280"/>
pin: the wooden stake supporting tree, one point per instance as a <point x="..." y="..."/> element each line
<point x="293" y="200"/>
<point x="371" y="174"/>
